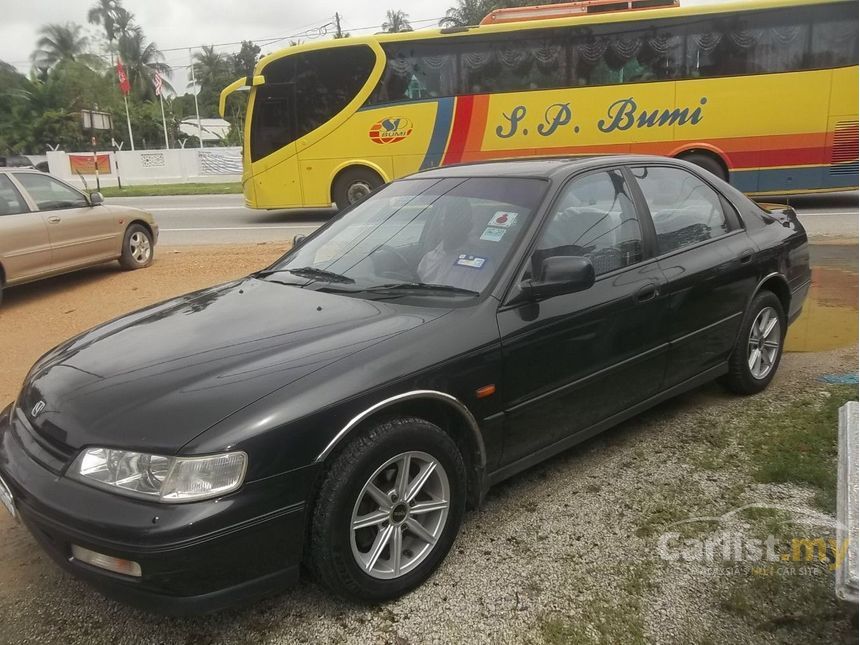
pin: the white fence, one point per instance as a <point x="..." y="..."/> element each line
<point x="138" y="167"/>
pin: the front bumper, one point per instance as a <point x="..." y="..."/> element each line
<point x="195" y="557"/>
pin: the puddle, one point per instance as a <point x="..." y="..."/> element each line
<point x="829" y="318"/>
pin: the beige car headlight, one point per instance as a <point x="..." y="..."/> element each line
<point x="163" y="479"/>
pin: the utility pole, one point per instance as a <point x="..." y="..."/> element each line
<point x="196" y="107"/>
<point x="337" y="32"/>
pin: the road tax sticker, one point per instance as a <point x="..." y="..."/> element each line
<point x="504" y="219"/>
<point x="493" y="234"/>
<point x="471" y="261"/>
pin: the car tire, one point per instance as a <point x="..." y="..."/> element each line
<point x="137" y="248"/>
<point x="756" y="357"/>
<point x="353" y="185"/>
<point x="345" y="559"/>
<point x="708" y="163"/>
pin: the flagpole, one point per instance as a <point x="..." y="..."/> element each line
<point x="164" y="122"/>
<point x="196" y="107"/>
<point x="128" y="120"/>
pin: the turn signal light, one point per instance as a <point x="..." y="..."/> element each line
<point x="102" y="561"/>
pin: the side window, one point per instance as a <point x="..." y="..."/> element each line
<point x="416" y="71"/>
<point x="834" y="36"/>
<point x="516" y="64"/>
<point x="594" y="218"/>
<point x="11" y="202"/>
<point x="685" y="209"/>
<point x="50" y="194"/>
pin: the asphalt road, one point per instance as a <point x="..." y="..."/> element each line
<point x="223" y="219"/>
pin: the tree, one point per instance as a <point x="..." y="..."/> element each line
<point x="60" y="43"/>
<point x="245" y="61"/>
<point x="124" y="24"/>
<point x="471" y="12"/>
<point x="210" y="67"/>
<point x="142" y="60"/>
<point x="103" y="13"/>
<point x="396" y="21"/>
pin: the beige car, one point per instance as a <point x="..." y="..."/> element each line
<point x="47" y="227"/>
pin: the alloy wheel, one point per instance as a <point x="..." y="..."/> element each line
<point x="399" y="515"/>
<point x="140" y="247"/>
<point x="358" y="190"/>
<point x="764" y="342"/>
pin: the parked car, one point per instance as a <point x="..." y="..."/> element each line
<point x="48" y="227"/>
<point x="344" y="406"/>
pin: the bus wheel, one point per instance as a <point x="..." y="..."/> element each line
<point x="707" y="162"/>
<point x="354" y="184"/>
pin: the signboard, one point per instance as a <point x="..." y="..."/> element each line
<point x="84" y="164"/>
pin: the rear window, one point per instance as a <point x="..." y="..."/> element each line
<point x="304" y="91"/>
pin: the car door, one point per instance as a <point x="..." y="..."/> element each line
<point x="80" y="233"/>
<point x="574" y="360"/>
<point x="25" y="246"/>
<point x="707" y="258"/>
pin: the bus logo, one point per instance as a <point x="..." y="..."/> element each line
<point x="390" y="130"/>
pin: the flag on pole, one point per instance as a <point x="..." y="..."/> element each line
<point x="122" y="77"/>
<point x="156" y="80"/>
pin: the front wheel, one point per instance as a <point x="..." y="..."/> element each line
<point x="388" y="510"/>
<point x="353" y="185"/>
<point x="137" y="248"/>
<point x="756" y="357"/>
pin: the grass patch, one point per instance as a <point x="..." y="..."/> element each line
<point x="799" y="444"/>
<point x="614" y="616"/>
<point x="153" y="190"/>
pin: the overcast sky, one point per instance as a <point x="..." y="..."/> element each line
<point x="181" y="24"/>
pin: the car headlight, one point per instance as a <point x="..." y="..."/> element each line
<point x="164" y="479"/>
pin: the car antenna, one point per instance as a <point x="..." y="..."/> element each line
<point x="83" y="179"/>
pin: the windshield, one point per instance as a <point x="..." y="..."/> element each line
<point x="426" y="236"/>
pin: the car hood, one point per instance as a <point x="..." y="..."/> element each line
<point x="154" y="379"/>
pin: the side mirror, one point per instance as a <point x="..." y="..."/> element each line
<point x="96" y="199"/>
<point x="298" y="239"/>
<point x="560" y="274"/>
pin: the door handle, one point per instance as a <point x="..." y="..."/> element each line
<point x="53" y="219"/>
<point x="745" y="257"/>
<point x="648" y="292"/>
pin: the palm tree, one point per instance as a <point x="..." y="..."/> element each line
<point x="471" y="12"/>
<point x="124" y="25"/>
<point x="142" y="60"/>
<point x="60" y="43"/>
<point x="210" y="67"/>
<point x="396" y="21"/>
<point x="103" y="12"/>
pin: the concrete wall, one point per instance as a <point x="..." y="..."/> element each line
<point x="138" y="167"/>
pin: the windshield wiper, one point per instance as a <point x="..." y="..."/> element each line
<point x="423" y="286"/>
<point x="313" y="273"/>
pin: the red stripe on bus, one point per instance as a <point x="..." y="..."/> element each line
<point x="457" y="139"/>
<point x="475" y="136"/>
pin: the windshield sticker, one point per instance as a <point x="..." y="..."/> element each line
<point x="503" y="218"/>
<point x="470" y="261"/>
<point x="492" y="234"/>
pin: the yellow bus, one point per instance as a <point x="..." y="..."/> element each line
<point x="763" y="93"/>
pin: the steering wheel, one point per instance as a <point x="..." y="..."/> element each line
<point x="400" y="269"/>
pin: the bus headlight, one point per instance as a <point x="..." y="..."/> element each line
<point x="163" y="479"/>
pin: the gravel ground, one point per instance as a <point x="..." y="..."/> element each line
<point x="565" y="552"/>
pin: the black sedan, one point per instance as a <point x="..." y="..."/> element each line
<point x="343" y="407"/>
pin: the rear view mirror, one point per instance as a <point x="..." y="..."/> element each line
<point x="96" y="199"/>
<point x="561" y="274"/>
<point x="298" y="239"/>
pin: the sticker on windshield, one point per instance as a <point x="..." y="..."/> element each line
<point x="504" y="219"/>
<point x="492" y="234"/>
<point x="471" y="261"/>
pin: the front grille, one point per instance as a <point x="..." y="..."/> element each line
<point x="46" y="451"/>
<point x="843" y="155"/>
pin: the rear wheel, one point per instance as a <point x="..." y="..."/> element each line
<point x="708" y="163"/>
<point x="388" y="510"/>
<point x="756" y="357"/>
<point x="354" y="184"/>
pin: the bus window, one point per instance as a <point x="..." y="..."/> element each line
<point x="515" y="64"/>
<point x="417" y="71"/>
<point x="834" y="37"/>
<point x="303" y="91"/>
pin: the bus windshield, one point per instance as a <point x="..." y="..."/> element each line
<point x="303" y="91"/>
<point x="435" y="236"/>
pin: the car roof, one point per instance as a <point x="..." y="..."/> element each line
<point x="547" y="167"/>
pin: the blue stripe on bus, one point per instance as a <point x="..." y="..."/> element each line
<point x="441" y="128"/>
<point x="770" y="180"/>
